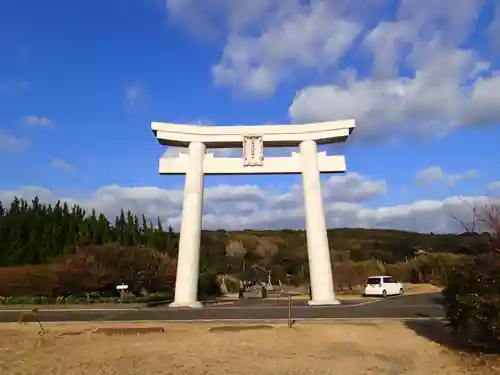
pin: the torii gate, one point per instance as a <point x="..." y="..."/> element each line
<point x="253" y="139"/>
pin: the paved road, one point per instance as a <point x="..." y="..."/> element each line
<point x="282" y="301"/>
<point x="416" y="306"/>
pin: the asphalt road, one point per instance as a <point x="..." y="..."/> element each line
<point x="416" y="306"/>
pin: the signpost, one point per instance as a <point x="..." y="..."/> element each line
<point x="291" y="322"/>
<point x="122" y="288"/>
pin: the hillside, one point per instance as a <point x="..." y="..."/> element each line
<point x="356" y="244"/>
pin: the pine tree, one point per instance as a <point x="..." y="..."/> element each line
<point x="36" y="233"/>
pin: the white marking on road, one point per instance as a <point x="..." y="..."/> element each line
<point x="294" y="307"/>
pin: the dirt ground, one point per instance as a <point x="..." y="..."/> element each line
<point x="348" y="348"/>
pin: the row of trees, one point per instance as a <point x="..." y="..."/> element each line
<point x="37" y="233"/>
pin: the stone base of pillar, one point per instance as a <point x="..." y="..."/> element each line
<point x="323" y="303"/>
<point x="192" y="305"/>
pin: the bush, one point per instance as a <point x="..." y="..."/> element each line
<point x="401" y="271"/>
<point x="434" y="268"/>
<point x="296" y="280"/>
<point x="41" y="280"/>
<point x="472" y="302"/>
<point x="207" y="285"/>
<point x="101" y="268"/>
<point x="75" y="300"/>
<point x="91" y="273"/>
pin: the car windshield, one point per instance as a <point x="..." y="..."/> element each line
<point x="373" y="280"/>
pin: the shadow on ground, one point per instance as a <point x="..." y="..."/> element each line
<point x="239" y="328"/>
<point x="436" y="331"/>
<point x="129" y="331"/>
<point x="474" y="360"/>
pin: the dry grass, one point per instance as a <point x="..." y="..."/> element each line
<point x="369" y="348"/>
<point x="421" y="288"/>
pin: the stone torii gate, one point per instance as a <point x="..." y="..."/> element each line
<point x="253" y="139"/>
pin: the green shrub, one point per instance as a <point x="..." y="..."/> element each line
<point x="207" y="284"/>
<point x="472" y="302"/>
<point x="74" y="300"/>
<point x="296" y="280"/>
<point x="125" y="299"/>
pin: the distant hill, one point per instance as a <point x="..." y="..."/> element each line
<point x="346" y="243"/>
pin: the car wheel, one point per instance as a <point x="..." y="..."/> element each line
<point x="401" y="292"/>
<point x="384" y="293"/>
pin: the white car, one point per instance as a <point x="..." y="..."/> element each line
<point x="383" y="286"/>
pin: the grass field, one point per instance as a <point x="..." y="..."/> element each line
<point x="391" y="348"/>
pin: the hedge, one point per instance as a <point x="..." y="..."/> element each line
<point x="92" y="270"/>
<point x="472" y="302"/>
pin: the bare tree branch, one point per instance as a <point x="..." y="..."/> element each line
<point x="484" y="219"/>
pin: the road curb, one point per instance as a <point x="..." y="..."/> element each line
<point x="249" y="321"/>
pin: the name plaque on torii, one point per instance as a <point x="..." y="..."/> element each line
<point x="253" y="151"/>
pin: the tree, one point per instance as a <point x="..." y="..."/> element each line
<point x="36" y="233"/>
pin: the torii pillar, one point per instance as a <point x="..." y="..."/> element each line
<point x="308" y="162"/>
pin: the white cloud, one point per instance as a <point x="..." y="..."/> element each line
<point x="61" y="164"/>
<point x="353" y="187"/>
<point x="41" y="121"/>
<point x="494" y="186"/>
<point x="434" y="102"/>
<point x="421" y="80"/>
<point x="251" y="206"/>
<point x="298" y="37"/>
<point x="435" y="174"/>
<point x="133" y="94"/>
<point x="9" y="143"/>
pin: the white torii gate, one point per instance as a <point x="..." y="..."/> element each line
<point x="307" y="162"/>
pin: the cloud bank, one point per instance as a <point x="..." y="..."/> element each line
<point x="254" y="207"/>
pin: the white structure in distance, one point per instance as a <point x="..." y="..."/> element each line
<point x="308" y="162"/>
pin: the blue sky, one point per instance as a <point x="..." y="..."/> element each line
<point x="80" y="84"/>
